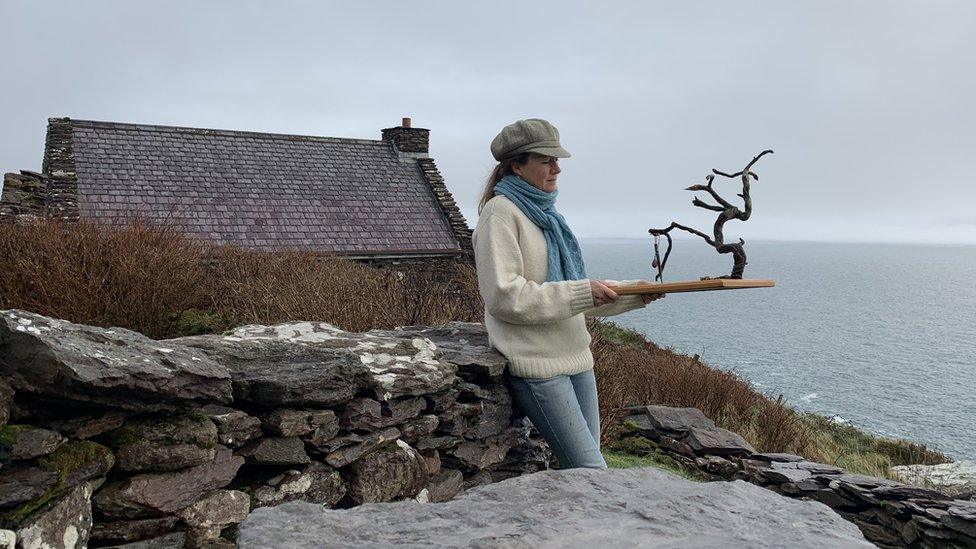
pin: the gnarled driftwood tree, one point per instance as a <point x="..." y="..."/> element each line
<point x="727" y="211"/>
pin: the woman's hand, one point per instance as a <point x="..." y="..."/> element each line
<point x="647" y="298"/>
<point x="601" y="293"/>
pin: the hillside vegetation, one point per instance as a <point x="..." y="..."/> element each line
<point x="152" y="280"/>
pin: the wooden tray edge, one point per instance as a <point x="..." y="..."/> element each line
<point x="694" y="286"/>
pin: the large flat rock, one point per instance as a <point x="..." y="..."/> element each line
<point x="316" y="364"/>
<point x="464" y="344"/>
<point x="576" y="508"/>
<point x="114" y="366"/>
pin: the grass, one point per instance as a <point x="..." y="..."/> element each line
<point x="152" y="280"/>
<point x="623" y="460"/>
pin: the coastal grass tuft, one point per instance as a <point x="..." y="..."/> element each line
<point x="848" y="447"/>
<point x="132" y="275"/>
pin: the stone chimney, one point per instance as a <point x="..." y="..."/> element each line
<point x="407" y="139"/>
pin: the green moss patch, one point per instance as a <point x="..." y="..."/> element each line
<point x="193" y="322"/>
<point x="72" y="457"/>
<point x="9" y="434"/>
<point x="636" y="451"/>
<point x="621" y="460"/>
<point x="67" y="460"/>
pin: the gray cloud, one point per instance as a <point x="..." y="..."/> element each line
<point x="868" y="104"/>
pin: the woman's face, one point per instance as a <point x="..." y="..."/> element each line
<point x="539" y="171"/>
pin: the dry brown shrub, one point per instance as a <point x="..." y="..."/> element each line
<point x="438" y="296"/>
<point x="131" y="275"/>
<point x="141" y="276"/>
<point x="268" y="288"/>
<point x="646" y="374"/>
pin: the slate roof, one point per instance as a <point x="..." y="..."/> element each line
<point x="261" y="191"/>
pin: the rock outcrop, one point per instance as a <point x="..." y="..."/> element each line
<point x="956" y="479"/>
<point x="888" y="513"/>
<point x="575" y="508"/>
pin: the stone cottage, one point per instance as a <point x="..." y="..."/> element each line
<point x="375" y="200"/>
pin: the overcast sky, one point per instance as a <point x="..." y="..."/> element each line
<point x="868" y="105"/>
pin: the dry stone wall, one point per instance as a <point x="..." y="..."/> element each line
<point x="110" y="438"/>
<point x="889" y="513"/>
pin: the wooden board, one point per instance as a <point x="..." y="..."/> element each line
<point x="694" y="286"/>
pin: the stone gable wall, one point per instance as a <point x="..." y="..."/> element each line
<point x="25" y="197"/>
<point x="450" y="208"/>
<point x="59" y="167"/>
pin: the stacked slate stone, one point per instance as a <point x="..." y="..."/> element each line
<point x="109" y="438"/>
<point x="24" y="197"/>
<point x="888" y="513"/>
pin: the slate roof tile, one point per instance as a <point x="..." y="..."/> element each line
<point x="318" y="193"/>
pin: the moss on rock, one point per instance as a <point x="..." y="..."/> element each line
<point x="117" y="438"/>
<point x="9" y="434"/>
<point x="74" y="463"/>
<point x="637" y="451"/>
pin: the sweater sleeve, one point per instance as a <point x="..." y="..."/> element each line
<point x="623" y="304"/>
<point x="508" y="295"/>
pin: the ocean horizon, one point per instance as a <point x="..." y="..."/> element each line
<point x="881" y="335"/>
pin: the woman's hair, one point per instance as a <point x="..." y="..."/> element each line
<point x="501" y="170"/>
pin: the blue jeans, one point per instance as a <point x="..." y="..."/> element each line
<point x="565" y="411"/>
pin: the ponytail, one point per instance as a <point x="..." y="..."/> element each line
<point x="501" y="170"/>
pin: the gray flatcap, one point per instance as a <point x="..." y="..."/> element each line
<point x="533" y="135"/>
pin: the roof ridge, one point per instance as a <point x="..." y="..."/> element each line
<point x="213" y="131"/>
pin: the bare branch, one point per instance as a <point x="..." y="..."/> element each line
<point x="726" y="211"/>
<point x="707" y="206"/>
<point x="732" y="175"/>
<point x="708" y="188"/>
<point x="683" y="228"/>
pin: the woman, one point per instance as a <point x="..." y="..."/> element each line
<point x="537" y="295"/>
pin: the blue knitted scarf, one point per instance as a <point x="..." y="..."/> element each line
<point x="565" y="258"/>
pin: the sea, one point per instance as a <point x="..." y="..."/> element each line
<point x="882" y="336"/>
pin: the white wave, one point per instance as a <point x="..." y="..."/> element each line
<point x="838" y="420"/>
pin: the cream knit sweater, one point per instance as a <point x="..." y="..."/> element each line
<point x="539" y="326"/>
